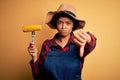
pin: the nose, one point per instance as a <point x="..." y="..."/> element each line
<point x="63" y="25"/>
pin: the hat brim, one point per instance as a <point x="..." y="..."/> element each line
<point x="81" y="23"/>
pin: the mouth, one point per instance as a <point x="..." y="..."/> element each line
<point x="63" y="31"/>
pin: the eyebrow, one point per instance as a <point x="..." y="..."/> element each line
<point x="65" y="20"/>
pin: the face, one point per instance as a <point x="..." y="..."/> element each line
<point x="64" y="26"/>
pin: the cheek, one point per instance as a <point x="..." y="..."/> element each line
<point x="58" y="28"/>
<point x="71" y="28"/>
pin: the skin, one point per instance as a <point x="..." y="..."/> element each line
<point x="64" y="27"/>
<point x="81" y="38"/>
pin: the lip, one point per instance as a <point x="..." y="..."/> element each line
<point x="63" y="31"/>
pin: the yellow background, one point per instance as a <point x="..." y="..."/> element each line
<point x="102" y="19"/>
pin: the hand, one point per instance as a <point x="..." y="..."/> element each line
<point x="32" y="49"/>
<point x="81" y="38"/>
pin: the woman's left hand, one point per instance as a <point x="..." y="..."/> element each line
<point x="81" y="38"/>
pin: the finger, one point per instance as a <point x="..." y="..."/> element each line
<point x="32" y="51"/>
<point x="78" y="42"/>
<point x="84" y="33"/>
<point x="32" y="45"/>
<point x="83" y="36"/>
<point x="81" y="51"/>
<point x="88" y="38"/>
<point x="81" y="47"/>
<point x="80" y="39"/>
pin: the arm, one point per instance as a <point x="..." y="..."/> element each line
<point x="86" y="41"/>
<point x="37" y="65"/>
<point x="89" y="46"/>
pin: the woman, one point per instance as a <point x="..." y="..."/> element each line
<point x="62" y="57"/>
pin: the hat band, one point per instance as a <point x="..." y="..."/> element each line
<point x="71" y="13"/>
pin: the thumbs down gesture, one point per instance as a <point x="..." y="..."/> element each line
<point x="81" y="38"/>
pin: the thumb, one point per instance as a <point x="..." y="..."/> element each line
<point x="81" y="51"/>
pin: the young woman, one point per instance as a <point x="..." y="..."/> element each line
<point x="62" y="57"/>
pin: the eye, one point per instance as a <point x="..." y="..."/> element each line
<point x="59" y="22"/>
<point x="68" y="23"/>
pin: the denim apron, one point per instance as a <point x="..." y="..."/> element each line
<point x="63" y="65"/>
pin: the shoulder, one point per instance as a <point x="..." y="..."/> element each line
<point x="46" y="42"/>
<point x="49" y="42"/>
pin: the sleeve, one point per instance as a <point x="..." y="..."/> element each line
<point x="89" y="47"/>
<point x="38" y="65"/>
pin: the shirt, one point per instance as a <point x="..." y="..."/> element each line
<point x="48" y="44"/>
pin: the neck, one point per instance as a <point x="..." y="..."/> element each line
<point x="62" y="41"/>
<point x="64" y="38"/>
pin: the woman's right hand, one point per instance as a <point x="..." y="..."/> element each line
<point x="32" y="49"/>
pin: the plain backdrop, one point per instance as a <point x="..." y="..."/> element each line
<point x="102" y="19"/>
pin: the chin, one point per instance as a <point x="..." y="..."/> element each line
<point x="64" y="34"/>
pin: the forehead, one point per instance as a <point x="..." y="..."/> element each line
<point x="64" y="19"/>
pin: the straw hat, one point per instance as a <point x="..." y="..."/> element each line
<point x="68" y="9"/>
